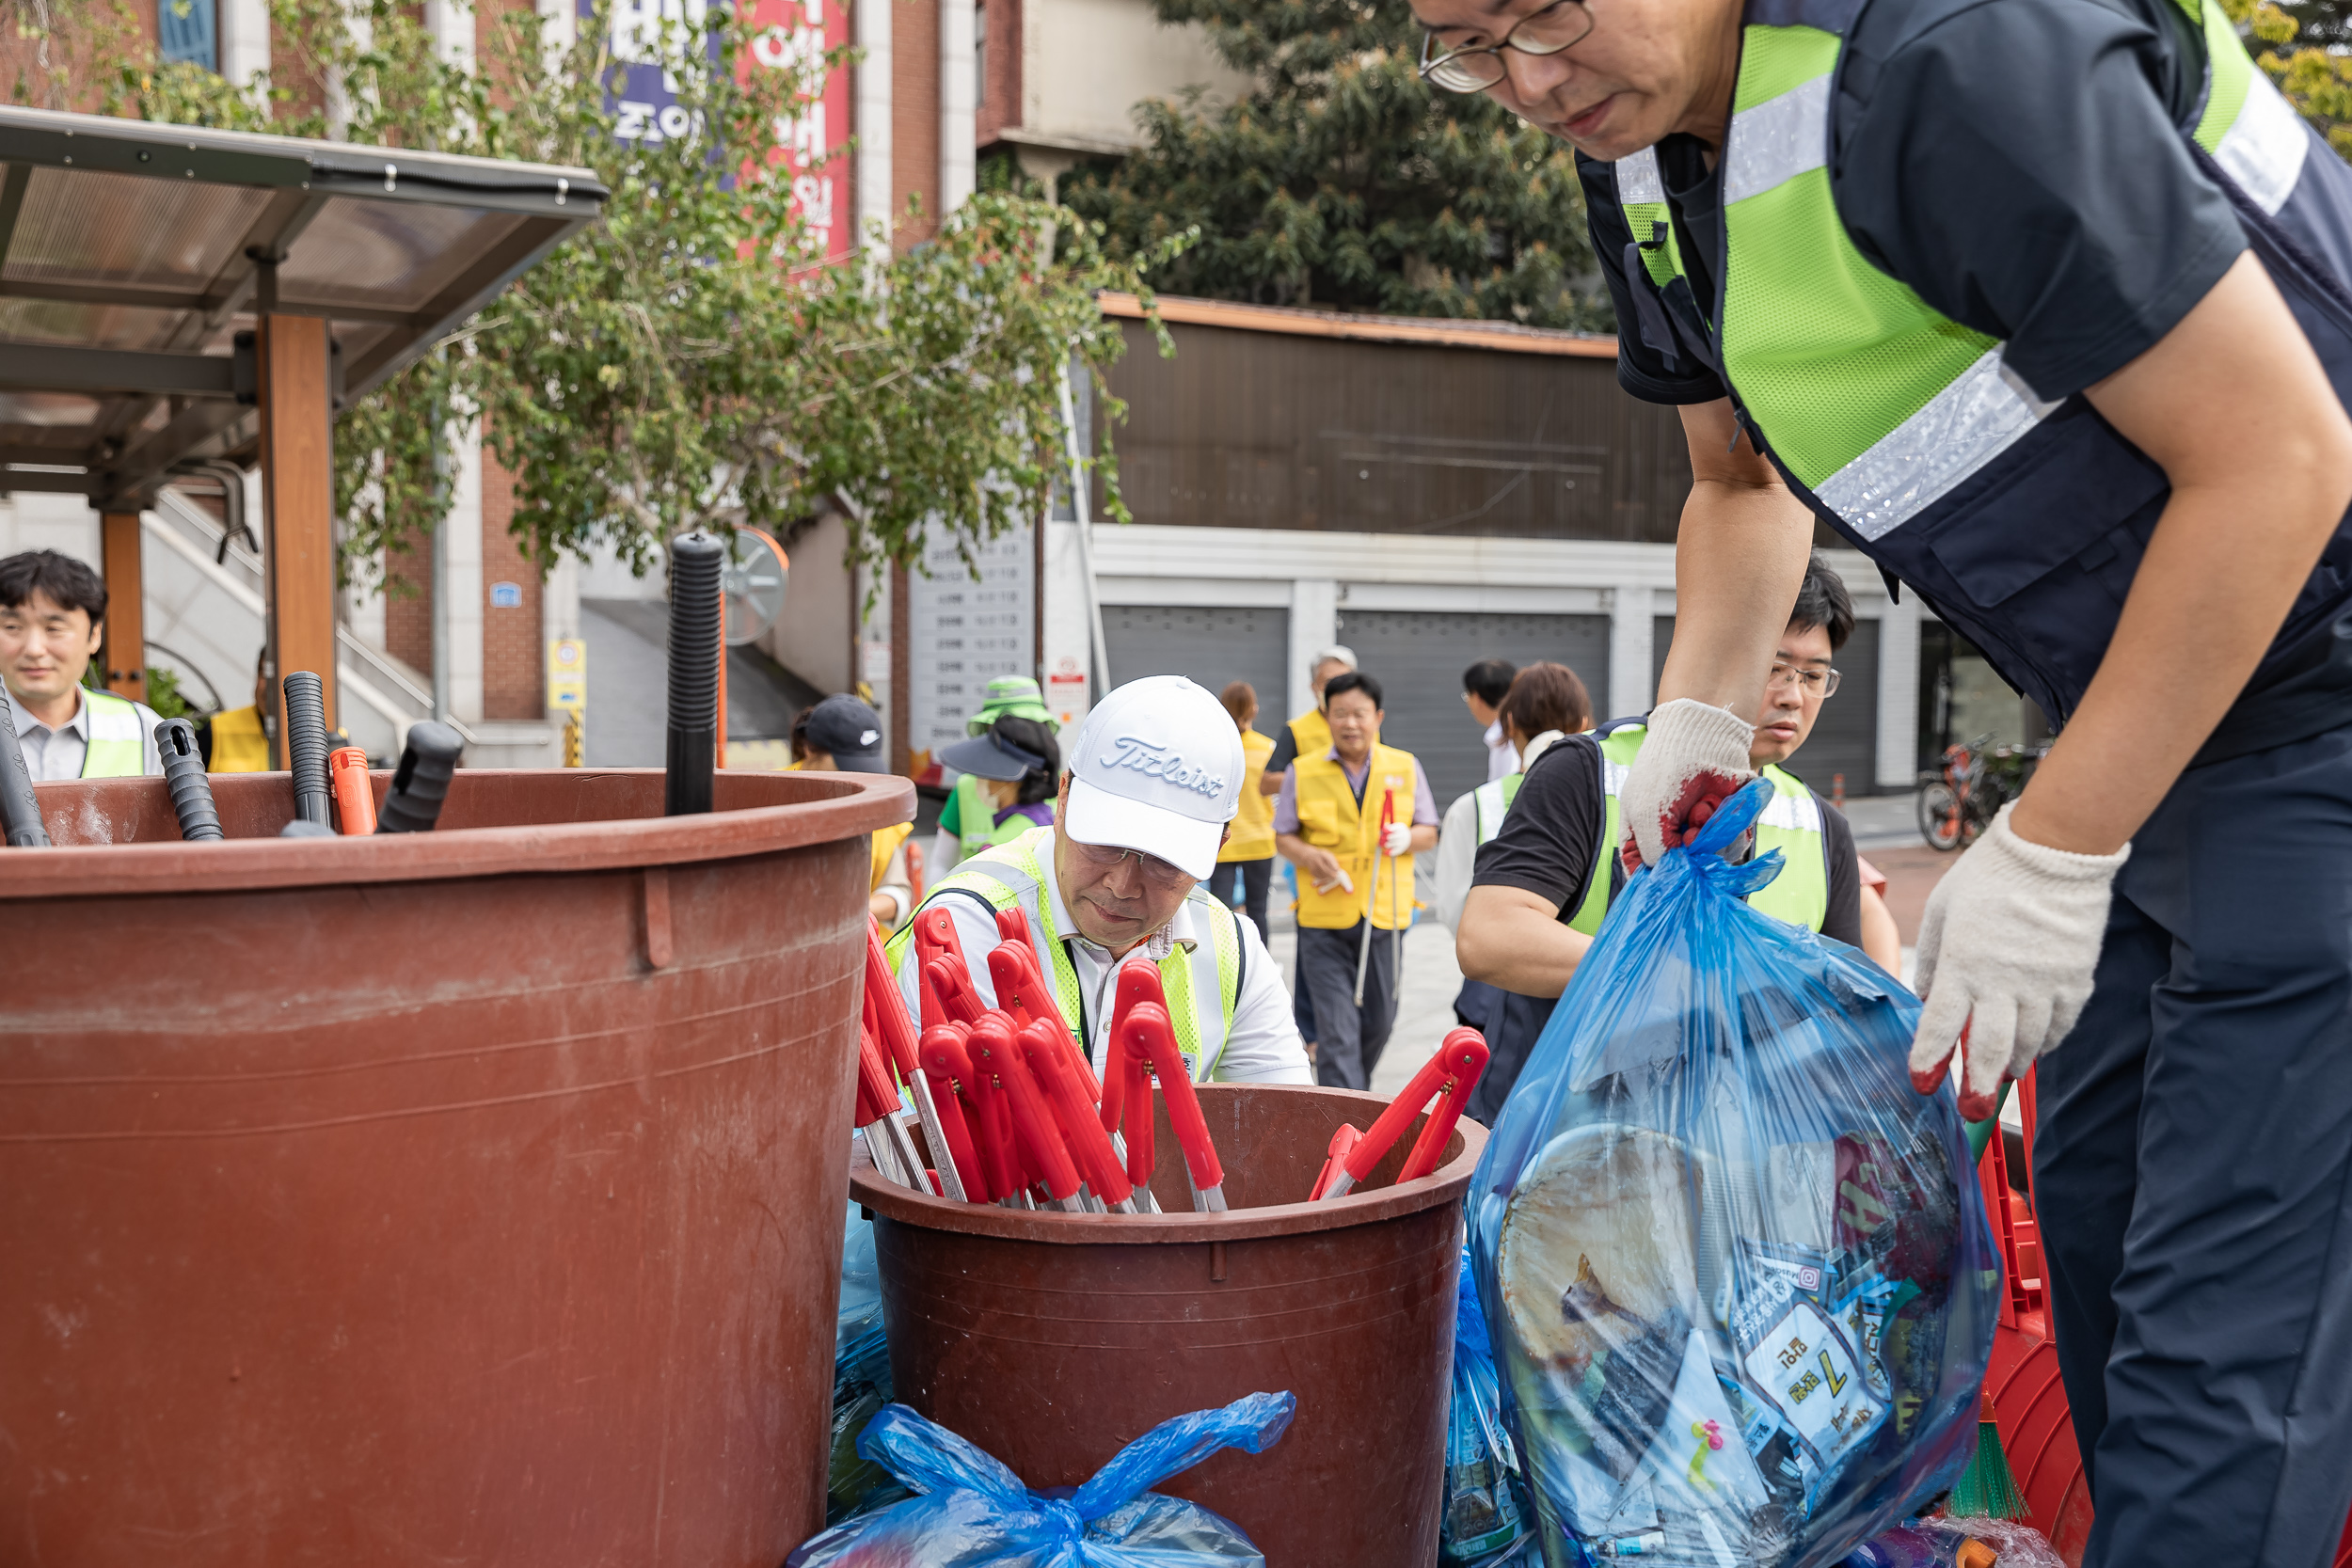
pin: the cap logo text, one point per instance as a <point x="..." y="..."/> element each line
<point x="1158" y="762"/>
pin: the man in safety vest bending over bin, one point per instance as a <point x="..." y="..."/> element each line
<point x="1351" y="818"/>
<point x="2047" y="307"/>
<point x="1155" y="779"/>
<point x="52" y="617"/>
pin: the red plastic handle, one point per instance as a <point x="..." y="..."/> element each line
<point x="992" y="1133"/>
<point x="934" y="937"/>
<point x="1013" y="925"/>
<point x="1341" y="1141"/>
<point x="1449" y="1075"/>
<point x="948" y="1067"/>
<point x="1047" y="1049"/>
<point x="1142" y="1133"/>
<point x="1138" y="981"/>
<point x="878" y="1097"/>
<point x="994" y="1051"/>
<point x="895" y="1030"/>
<point x="948" y="982"/>
<point x="1022" y="990"/>
<point x="1152" y="1038"/>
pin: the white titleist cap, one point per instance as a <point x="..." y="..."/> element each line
<point x="1157" y="767"/>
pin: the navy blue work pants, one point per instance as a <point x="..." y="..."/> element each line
<point x="2191" y="1171"/>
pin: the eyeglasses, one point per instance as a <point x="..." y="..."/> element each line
<point x="1105" y="858"/>
<point x="1817" y="683"/>
<point x="1477" y="67"/>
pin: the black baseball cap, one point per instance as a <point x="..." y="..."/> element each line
<point x="849" y="732"/>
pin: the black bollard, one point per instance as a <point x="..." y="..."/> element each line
<point x="696" y="561"/>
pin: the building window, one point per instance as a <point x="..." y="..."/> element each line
<point x="980" y="58"/>
<point x="188" y="32"/>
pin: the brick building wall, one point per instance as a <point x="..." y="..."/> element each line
<point x="914" y="121"/>
<point x="408" y="605"/>
<point x="999" y="106"/>
<point x="513" y="656"/>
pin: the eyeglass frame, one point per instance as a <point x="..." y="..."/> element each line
<point x="1799" y="674"/>
<point x="1429" y="36"/>
<point x="1105" y="859"/>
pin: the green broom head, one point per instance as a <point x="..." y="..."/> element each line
<point x="1988" y="1488"/>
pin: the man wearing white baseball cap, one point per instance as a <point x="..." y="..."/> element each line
<point x="1153" y="783"/>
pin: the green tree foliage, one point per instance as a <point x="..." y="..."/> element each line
<point x="2316" y="77"/>
<point x="1343" y="180"/>
<point x="690" y="361"/>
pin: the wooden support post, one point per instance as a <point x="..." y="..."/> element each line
<point x="125" y="647"/>
<point x="298" y="500"/>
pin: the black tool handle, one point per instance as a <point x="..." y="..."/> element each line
<point x="696" y="561"/>
<point x="299" y="829"/>
<point x="19" y="809"/>
<point x="183" y="775"/>
<point x="306" y="746"/>
<point x="421" y="781"/>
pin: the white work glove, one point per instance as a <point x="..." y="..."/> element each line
<point x="1396" y="838"/>
<point x="1694" y="759"/>
<point x="2007" y="949"/>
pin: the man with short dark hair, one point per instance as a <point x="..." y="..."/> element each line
<point x="53" y="618"/>
<point x="1351" y="821"/>
<point x="1485" y="685"/>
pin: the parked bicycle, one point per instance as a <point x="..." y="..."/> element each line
<point x="1978" y="779"/>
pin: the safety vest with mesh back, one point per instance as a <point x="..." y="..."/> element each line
<point x="1329" y="819"/>
<point x="2020" y="521"/>
<point x="1012" y="875"/>
<point x="977" y="828"/>
<point x="115" y="748"/>
<point x="1492" y="800"/>
<point x="1791" y="824"/>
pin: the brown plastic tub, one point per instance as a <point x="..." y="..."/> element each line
<point x="463" y="1198"/>
<point x="1052" y="1340"/>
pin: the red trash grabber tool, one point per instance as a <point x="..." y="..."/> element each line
<point x="947" y="980"/>
<point x="893" y="1151"/>
<point x="1341" y="1141"/>
<point x="948" y="1069"/>
<point x="1450" y="1075"/>
<point x="934" y="937"/>
<point x="1150" y="1039"/>
<point x="886" y="1017"/>
<point x="1013" y="925"/>
<point x="1054" y="1065"/>
<point x="1372" y="890"/>
<point x="994" y="1051"/>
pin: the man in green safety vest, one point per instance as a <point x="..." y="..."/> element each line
<point x="2046" y="306"/>
<point x="52" y="617"/>
<point x="1544" y="883"/>
<point x="1154" y="781"/>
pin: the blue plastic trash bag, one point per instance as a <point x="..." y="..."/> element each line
<point x="972" y="1510"/>
<point x="1737" y="1273"/>
<point x="1484" y="1515"/>
<point x="861" y="1379"/>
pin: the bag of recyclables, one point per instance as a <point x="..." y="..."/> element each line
<point x="972" y="1510"/>
<point x="1738" y="1275"/>
<point x="1486" y="1516"/>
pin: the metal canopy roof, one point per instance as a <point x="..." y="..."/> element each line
<point x="132" y="254"/>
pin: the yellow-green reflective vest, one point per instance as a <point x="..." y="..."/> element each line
<point x="1791" y="824"/>
<point x="1010" y="875"/>
<point x="977" y="828"/>
<point x="115" y="748"/>
<point x="1493" y="800"/>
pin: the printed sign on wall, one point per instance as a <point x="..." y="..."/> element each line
<point x="963" y="634"/>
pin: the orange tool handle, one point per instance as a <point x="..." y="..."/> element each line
<point x="354" y="793"/>
<point x="948" y="982"/>
<point x="1341" y="1141"/>
<point x="1047" y="1049"/>
<point x="1152" y="1038"/>
<point x="895" y="1030"/>
<point x="994" y="1051"/>
<point x="1449" y="1074"/>
<point x="948" y="1066"/>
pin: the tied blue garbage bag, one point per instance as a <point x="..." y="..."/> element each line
<point x="972" y="1510"/>
<point x="861" y="1379"/>
<point x="1484" y="1518"/>
<point x="1737" y="1273"/>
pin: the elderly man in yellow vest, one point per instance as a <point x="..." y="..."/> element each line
<point x="53" y="616"/>
<point x="1155" y="779"/>
<point x="1351" y="819"/>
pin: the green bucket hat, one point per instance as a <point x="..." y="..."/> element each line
<point x="1009" y="697"/>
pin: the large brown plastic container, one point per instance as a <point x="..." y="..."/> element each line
<point x="463" y="1198"/>
<point x="1051" y="1339"/>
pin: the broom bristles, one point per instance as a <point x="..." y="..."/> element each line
<point x="1988" y="1488"/>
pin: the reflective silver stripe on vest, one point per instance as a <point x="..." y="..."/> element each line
<point x="1637" y="178"/>
<point x="1777" y="140"/>
<point x="1796" y="813"/>
<point x="1490" y="806"/>
<point x="2264" y="147"/>
<point x="1964" y="427"/>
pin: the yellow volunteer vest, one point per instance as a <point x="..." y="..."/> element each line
<point x="886" y="842"/>
<point x="1329" y="818"/>
<point x="1310" y="733"/>
<point x="1252" y="838"/>
<point x="239" y="745"/>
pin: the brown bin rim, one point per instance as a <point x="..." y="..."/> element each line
<point x="1446" y="1184"/>
<point x="861" y="802"/>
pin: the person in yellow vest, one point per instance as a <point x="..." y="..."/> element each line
<point x="1155" y="777"/>
<point x="1310" y="734"/>
<point x="1328" y="823"/>
<point x="1245" y="867"/>
<point x="1545" y="881"/>
<point x="237" y="739"/>
<point x="842" y="735"/>
<point x="53" y="618"/>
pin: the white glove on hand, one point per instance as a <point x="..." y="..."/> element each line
<point x="2006" y="953"/>
<point x="1396" y="838"/>
<point x="1693" y="758"/>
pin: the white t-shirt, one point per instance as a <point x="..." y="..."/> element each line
<point x="1500" y="758"/>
